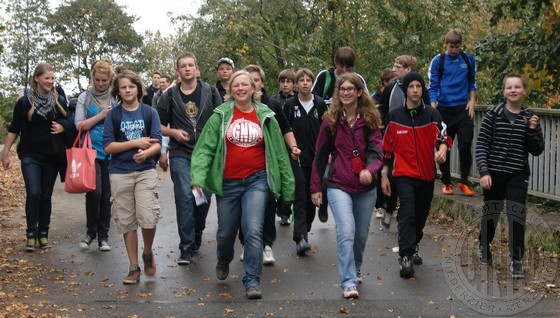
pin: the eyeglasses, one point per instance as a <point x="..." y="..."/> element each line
<point x="347" y="89"/>
<point x="397" y="66"/>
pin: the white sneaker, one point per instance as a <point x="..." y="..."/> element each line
<point x="104" y="246"/>
<point x="268" y="257"/>
<point x="379" y="213"/>
<point x="242" y="252"/>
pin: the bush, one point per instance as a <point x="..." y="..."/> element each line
<point x="6" y="110"/>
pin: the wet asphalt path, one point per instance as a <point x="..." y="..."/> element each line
<point x="90" y="282"/>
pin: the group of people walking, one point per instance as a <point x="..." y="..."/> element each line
<point x="319" y="142"/>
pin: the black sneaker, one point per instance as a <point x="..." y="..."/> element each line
<point x="285" y="220"/>
<point x="197" y="241"/>
<point x="516" y="269"/>
<point x="302" y="247"/>
<point x="254" y="292"/>
<point x="186" y="257"/>
<point x="407" y="267"/>
<point x="416" y="259"/>
<point x="484" y="255"/>
<point x="323" y="213"/>
<point x="86" y="241"/>
<point x="222" y="271"/>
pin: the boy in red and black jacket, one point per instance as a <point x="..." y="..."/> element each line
<point x="413" y="132"/>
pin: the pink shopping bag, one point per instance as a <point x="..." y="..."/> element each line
<point x="80" y="169"/>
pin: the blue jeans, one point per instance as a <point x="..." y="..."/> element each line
<point x="352" y="214"/>
<point x="188" y="214"/>
<point x="39" y="178"/>
<point x="243" y="203"/>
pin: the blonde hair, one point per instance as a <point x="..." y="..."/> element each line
<point x="104" y="67"/>
<point x="366" y="106"/>
<point x="407" y="61"/>
<point x="41" y="69"/>
<point x="256" y="95"/>
<point x="252" y="68"/>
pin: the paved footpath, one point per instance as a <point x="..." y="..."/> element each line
<point x="91" y="283"/>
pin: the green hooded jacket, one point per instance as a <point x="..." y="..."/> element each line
<point x="208" y="159"/>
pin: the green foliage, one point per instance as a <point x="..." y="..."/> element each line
<point x="2" y="30"/>
<point x="87" y="30"/>
<point x="7" y="103"/>
<point x="26" y="37"/>
<point x="529" y="46"/>
<point x="545" y="241"/>
<point x="518" y="35"/>
<point x="157" y="54"/>
<point x="295" y="33"/>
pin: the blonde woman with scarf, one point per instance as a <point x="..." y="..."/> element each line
<point x="40" y="120"/>
<point x="91" y="110"/>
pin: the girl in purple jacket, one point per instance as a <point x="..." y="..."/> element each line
<point x="350" y="135"/>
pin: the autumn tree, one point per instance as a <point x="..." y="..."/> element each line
<point x="264" y="32"/>
<point x="25" y="36"/>
<point x="305" y="33"/>
<point x="87" y="30"/>
<point x="157" y="54"/>
<point x="527" y="43"/>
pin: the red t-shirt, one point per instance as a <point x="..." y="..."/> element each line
<point x="245" y="146"/>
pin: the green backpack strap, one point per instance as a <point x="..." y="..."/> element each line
<point x="328" y="80"/>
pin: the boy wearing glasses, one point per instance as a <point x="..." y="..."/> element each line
<point x="452" y="90"/>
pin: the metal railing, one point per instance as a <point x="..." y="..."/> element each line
<point x="545" y="169"/>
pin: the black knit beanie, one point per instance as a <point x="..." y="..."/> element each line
<point x="413" y="76"/>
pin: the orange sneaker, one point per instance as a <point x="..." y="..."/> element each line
<point x="466" y="189"/>
<point x="447" y="189"/>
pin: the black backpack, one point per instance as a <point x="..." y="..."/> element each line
<point x="442" y="63"/>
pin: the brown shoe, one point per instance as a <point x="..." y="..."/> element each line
<point x="466" y="189"/>
<point x="133" y="275"/>
<point x="149" y="264"/>
<point x="447" y="189"/>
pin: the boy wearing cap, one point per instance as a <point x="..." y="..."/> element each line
<point x="412" y="133"/>
<point x="225" y="67"/>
